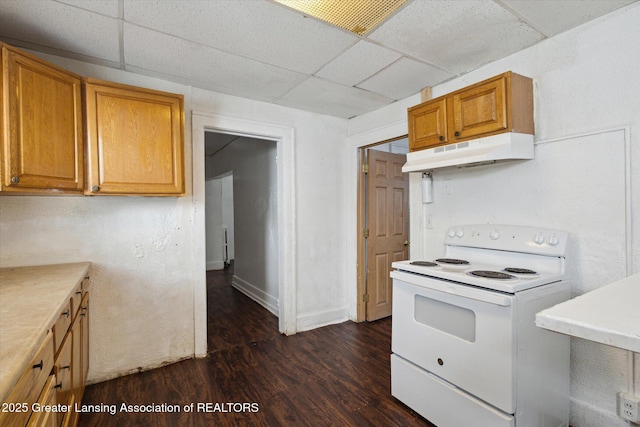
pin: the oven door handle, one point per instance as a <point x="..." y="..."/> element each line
<point x="491" y="297"/>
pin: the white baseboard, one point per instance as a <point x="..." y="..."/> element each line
<point x="215" y="265"/>
<point x="258" y="295"/>
<point x="309" y="321"/>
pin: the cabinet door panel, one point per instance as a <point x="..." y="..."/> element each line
<point x="480" y="110"/>
<point x="135" y="141"/>
<point x="43" y="120"/>
<point x="428" y="125"/>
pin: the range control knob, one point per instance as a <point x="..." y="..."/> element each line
<point x="494" y="235"/>
<point x="451" y="233"/>
<point x="553" y="240"/>
<point x="538" y="238"/>
<point x="460" y="232"/>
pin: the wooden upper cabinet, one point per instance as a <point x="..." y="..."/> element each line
<point x="135" y="140"/>
<point x="500" y="104"/>
<point x="428" y="124"/>
<point x="41" y="138"/>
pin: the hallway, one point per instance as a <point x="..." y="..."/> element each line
<point x="336" y="375"/>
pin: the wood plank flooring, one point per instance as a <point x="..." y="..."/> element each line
<point x="253" y="376"/>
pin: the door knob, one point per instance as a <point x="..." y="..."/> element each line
<point x="406" y="243"/>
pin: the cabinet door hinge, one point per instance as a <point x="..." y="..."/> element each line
<point x="365" y="169"/>
<point x="365" y="233"/>
<point x="365" y="298"/>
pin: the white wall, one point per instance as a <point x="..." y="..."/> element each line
<point x="253" y="162"/>
<point x="227" y="215"/>
<point x="141" y="248"/>
<point x="213" y="224"/>
<point x="585" y="81"/>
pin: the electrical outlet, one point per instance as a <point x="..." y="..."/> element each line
<point x="629" y="407"/>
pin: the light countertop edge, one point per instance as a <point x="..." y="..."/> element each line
<point x="608" y="315"/>
<point x="23" y="329"/>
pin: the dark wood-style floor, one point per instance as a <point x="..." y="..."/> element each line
<point x="332" y="376"/>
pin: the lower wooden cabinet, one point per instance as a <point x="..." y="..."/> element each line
<point x="57" y="374"/>
<point x="29" y="387"/>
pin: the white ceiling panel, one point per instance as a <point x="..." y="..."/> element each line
<point x="103" y="7"/>
<point x="552" y="17"/>
<point x="358" y="63"/>
<point x="60" y="26"/>
<point x="456" y="35"/>
<point x="232" y="74"/>
<point x="343" y="101"/>
<point x="404" y="78"/>
<point x="261" y="50"/>
<point x="260" y="30"/>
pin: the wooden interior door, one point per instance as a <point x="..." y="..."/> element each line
<point x="388" y="225"/>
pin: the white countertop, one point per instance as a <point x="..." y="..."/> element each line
<point x="609" y="315"/>
<point x="31" y="299"/>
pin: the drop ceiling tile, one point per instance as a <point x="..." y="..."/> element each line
<point x="403" y="78"/>
<point x="260" y="30"/>
<point x="552" y="17"/>
<point x="358" y="63"/>
<point x="456" y="35"/>
<point x="103" y="7"/>
<point x="60" y="26"/>
<point x="205" y="67"/>
<point x="325" y="97"/>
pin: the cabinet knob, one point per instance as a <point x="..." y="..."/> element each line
<point x="39" y="365"/>
<point x="95" y="188"/>
<point x="441" y="138"/>
<point x="456" y="133"/>
<point x="15" y="180"/>
<point x="66" y="313"/>
<point x="58" y="385"/>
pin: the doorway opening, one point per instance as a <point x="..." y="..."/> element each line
<point x="383" y="224"/>
<point x="283" y="136"/>
<point x="242" y="213"/>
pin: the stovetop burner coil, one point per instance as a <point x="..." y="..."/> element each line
<point x="452" y="261"/>
<point x="491" y="274"/>
<point x="516" y="270"/>
<point x="424" y="263"/>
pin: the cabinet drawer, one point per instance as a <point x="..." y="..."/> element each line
<point x="61" y="326"/>
<point x="30" y="385"/>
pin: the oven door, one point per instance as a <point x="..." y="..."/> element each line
<point x="462" y="334"/>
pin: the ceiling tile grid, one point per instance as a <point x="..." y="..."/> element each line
<point x="262" y="50"/>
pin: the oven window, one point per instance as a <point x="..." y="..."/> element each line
<point x="448" y="318"/>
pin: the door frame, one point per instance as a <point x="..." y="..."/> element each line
<point x="361" y="246"/>
<point x="284" y="138"/>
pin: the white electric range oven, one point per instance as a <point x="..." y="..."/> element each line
<point x="466" y="351"/>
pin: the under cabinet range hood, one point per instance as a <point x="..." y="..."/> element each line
<point x="504" y="146"/>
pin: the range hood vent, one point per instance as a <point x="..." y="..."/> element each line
<point x="504" y="146"/>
